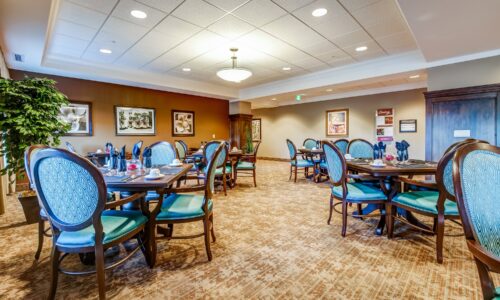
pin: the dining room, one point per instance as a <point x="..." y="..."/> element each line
<point x="249" y="149"/>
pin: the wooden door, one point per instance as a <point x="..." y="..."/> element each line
<point x="454" y="115"/>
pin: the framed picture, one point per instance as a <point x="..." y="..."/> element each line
<point x="256" y="129"/>
<point x="408" y="125"/>
<point x="135" y="120"/>
<point x="182" y="123"/>
<point x="79" y="116"/>
<point x="337" y="122"/>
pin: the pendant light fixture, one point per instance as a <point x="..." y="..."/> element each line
<point x="234" y="74"/>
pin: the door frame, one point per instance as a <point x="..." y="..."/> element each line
<point x="490" y="91"/>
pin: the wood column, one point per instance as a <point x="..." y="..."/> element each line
<point x="239" y="126"/>
<point x="4" y="185"/>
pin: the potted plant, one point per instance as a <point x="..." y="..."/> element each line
<point x="249" y="141"/>
<point x="29" y="110"/>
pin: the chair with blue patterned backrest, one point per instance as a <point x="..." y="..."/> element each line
<point x="223" y="171"/>
<point x="180" y="207"/>
<point x="247" y="165"/>
<point x="73" y="193"/>
<point x="181" y="149"/>
<point x="342" y="145"/>
<point x="436" y="201"/>
<point x="360" y="148"/>
<point x="476" y="178"/>
<point x="345" y="191"/>
<point x="162" y="153"/>
<point x="295" y="163"/>
<point x="310" y="143"/>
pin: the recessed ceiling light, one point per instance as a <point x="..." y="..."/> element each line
<point x="186" y="69"/>
<point x="329" y="90"/>
<point x="414" y="76"/>
<point x="361" y="48"/>
<point x="139" y="14"/>
<point x="319" y="12"/>
<point x="105" y="51"/>
<point x="274" y="99"/>
<point x="286" y="68"/>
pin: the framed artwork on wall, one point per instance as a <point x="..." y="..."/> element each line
<point x="182" y="123"/>
<point x="135" y="120"/>
<point x="337" y="122"/>
<point x="256" y="129"/>
<point x="408" y="125"/>
<point x="79" y="116"/>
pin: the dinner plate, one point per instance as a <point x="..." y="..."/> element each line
<point x="378" y="166"/>
<point x="151" y="177"/>
<point x="175" y="165"/>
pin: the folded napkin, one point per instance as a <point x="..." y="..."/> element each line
<point x="136" y="151"/>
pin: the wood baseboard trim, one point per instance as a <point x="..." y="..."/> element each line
<point x="273" y="158"/>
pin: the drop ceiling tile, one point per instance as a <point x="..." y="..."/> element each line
<point x="121" y="31"/>
<point x="198" y="12"/>
<point x="60" y="41"/>
<point x="397" y="43"/>
<point x="377" y="12"/>
<point x="231" y="27"/>
<point x="93" y="55"/>
<point x="81" y="15"/>
<point x="177" y="28"/>
<point x="357" y="37"/>
<point x="291" y="5"/>
<point x="387" y="27"/>
<point x="104" y="6"/>
<point x="227" y="5"/>
<point x="357" y="4"/>
<point x="74" y="30"/>
<point x="259" y="12"/>
<point x="59" y="51"/>
<point x="124" y="8"/>
<point x="309" y="63"/>
<point x="163" y="5"/>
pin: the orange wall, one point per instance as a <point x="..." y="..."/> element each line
<point x="211" y="115"/>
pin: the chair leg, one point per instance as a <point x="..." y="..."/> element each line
<point x="439" y="238"/>
<point x="254" y="178"/>
<point x="360" y="210"/>
<point x="344" y="217"/>
<point x="170" y="231"/>
<point x="54" y="272"/>
<point x="331" y="209"/>
<point x="224" y="184"/>
<point x="291" y="171"/>
<point x="152" y="243"/>
<point x="99" y="266"/>
<point x="41" y="230"/>
<point x="389" y="219"/>
<point x="206" y="228"/>
<point x="212" y="227"/>
<point x="295" y="180"/>
<point x="144" y="239"/>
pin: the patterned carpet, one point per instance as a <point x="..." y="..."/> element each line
<point x="272" y="242"/>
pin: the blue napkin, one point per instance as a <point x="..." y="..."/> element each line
<point x="136" y="151"/>
<point x="146" y="156"/>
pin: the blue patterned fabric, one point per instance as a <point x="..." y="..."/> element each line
<point x="309" y="144"/>
<point x="182" y="206"/>
<point x="162" y="154"/>
<point x="210" y="150"/>
<point x="291" y="149"/>
<point x="323" y="165"/>
<point x="359" y="192"/>
<point x="70" y="191"/>
<point x="115" y="224"/>
<point x="180" y="150"/>
<point x="448" y="178"/>
<point x="302" y="163"/>
<point x="333" y="163"/>
<point x="342" y="145"/>
<point x="360" y="149"/>
<point x="480" y="179"/>
<point x="426" y="201"/>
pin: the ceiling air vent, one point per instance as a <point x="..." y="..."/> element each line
<point x="18" y="57"/>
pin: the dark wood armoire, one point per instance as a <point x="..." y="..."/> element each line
<point x="240" y="125"/>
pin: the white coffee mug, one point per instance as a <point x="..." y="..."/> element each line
<point x="378" y="162"/>
<point x="348" y="156"/>
<point x="176" y="162"/>
<point x="154" y="172"/>
<point x="314" y="148"/>
<point x="235" y="148"/>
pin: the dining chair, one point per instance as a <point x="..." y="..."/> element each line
<point x="162" y="153"/>
<point x="181" y="149"/>
<point x="476" y="179"/>
<point x="310" y="143"/>
<point x="247" y="165"/>
<point x="322" y="167"/>
<point x="179" y="207"/>
<point x="435" y="200"/>
<point x="42" y="232"/>
<point x="73" y="193"/>
<point x="359" y="148"/>
<point x="342" y="145"/>
<point x="296" y="163"/>
<point x="223" y="171"/>
<point x="345" y="191"/>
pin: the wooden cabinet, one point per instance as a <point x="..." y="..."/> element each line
<point x="240" y="125"/>
<point x="457" y="114"/>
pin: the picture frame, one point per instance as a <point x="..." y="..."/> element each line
<point x="337" y="122"/>
<point x="256" y="129"/>
<point x="406" y="126"/>
<point x="183" y="123"/>
<point x="133" y="121"/>
<point x="79" y="115"/>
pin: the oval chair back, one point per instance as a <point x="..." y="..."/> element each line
<point x="216" y="155"/>
<point x="70" y="147"/>
<point x="209" y="150"/>
<point x="181" y="149"/>
<point x="342" y="145"/>
<point x="28" y="157"/>
<point x="463" y="142"/>
<point x="360" y="148"/>
<point x="292" y="150"/>
<point x="336" y="165"/>
<point x="162" y="153"/>
<point x="255" y="149"/>
<point x="59" y="176"/>
<point x="310" y="143"/>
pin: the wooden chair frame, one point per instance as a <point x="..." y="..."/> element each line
<point x="321" y="171"/>
<point x="486" y="261"/>
<point x="225" y="176"/>
<point x="248" y="173"/>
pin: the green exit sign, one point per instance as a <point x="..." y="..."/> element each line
<point x="298" y="97"/>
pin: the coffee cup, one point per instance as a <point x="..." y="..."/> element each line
<point x="99" y="150"/>
<point x="176" y="162"/>
<point x="378" y="162"/>
<point x="235" y="148"/>
<point x="314" y="148"/>
<point x="348" y="156"/>
<point x="154" y="172"/>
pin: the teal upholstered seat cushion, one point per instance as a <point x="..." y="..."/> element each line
<point x="115" y="224"/>
<point x="497" y="294"/>
<point x="358" y="191"/>
<point x="219" y="170"/>
<point x="182" y="206"/>
<point x="245" y="165"/>
<point x="425" y="201"/>
<point x="302" y="163"/>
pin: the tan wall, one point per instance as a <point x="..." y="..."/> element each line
<point x="298" y="122"/>
<point x="465" y="74"/>
<point x="211" y="115"/>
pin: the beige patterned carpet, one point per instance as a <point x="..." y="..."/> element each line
<point x="272" y="242"/>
